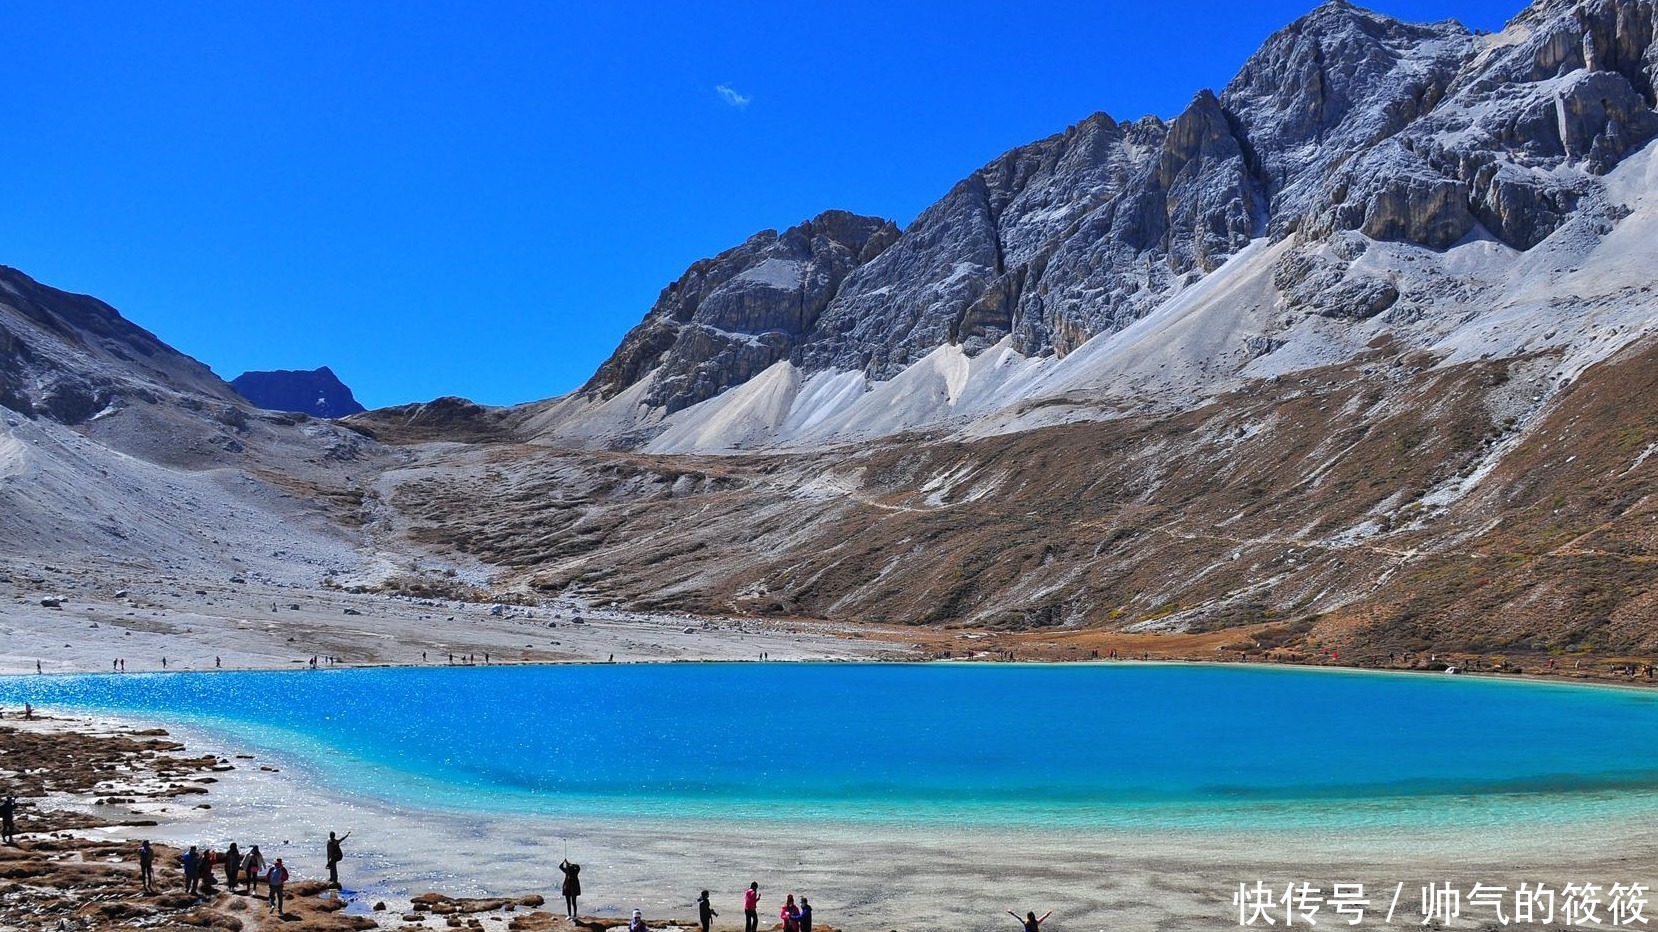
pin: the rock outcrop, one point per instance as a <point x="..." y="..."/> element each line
<point x="728" y="318"/>
<point x="318" y="392"/>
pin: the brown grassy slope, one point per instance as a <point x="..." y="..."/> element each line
<point x="1302" y="501"/>
<point x="1567" y="556"/>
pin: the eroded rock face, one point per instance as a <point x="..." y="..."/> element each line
<point x="1346" y="122"/>
<point x="67" y="357"/>
<point x="728" y="318"/>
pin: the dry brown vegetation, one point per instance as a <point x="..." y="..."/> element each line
<point x="1302" y="512"/>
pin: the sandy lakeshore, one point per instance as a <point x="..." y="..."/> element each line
<point x="876" y="878"/>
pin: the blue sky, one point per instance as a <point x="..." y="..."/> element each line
<point x="480" y="199"/>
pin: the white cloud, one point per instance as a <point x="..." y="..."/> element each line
<point x="732" y="97"/>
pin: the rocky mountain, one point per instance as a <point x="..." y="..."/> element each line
<point x="1351" y="352"/>
<point x="119" y="451"/>
<point x="318" y="392"/>
<point x="1389" y="177"/>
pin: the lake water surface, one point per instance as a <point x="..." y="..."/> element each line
<point x="1091" y="745"/>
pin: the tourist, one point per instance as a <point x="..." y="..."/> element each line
<point x="751" y="908"/>
<point x="146" y="866"/>
<point x="790" y="914"/>
<point x="28" y="711"/>
<point x="233" y="866"/>
<point x="8" y="819"/>
<point x="637" y="923"/>
<point x="275" y="880"/>
<point x="252" y="867"/>
<point x="1030" y="922"/>
<point x="805" y="915"/>
<point x="572" y="886"/>
<point x="335" y="856"/>
<point x="705" y="911"/>
<point x="204" y="871"/>
<point x="190" y="859"/>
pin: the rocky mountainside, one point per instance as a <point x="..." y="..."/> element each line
<point x="1359" y="177"/>
<point x="318" y="392"/>
<point x="116" y="450"/>
<point x="1351" y="354"/>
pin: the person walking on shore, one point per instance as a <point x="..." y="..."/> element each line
<point x="8" y="819"/>
<point x="705" y="911"/>
<point x="335" y="856"/>
<point x="276" y="880"/>
<point x="1030" y="922"/>
<point x="572" y="886"/>
<point x="253" y="868"/>
<point x="146" y="866"/>
<point x="751" y="907"/>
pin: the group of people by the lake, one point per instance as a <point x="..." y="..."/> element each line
<point x="241" y="869"/>
<point x="795" y="916"/>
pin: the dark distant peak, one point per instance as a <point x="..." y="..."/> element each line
<point x="318" y="392"/>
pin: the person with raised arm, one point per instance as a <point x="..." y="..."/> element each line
<point x="1030" y="922"/>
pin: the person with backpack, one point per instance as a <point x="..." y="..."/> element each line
<point x="705" y="911"/>
<point x="191" y="864"/>
<point x="335" y="856"/>
<point x="276" y="879"/>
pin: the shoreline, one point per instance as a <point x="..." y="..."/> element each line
<point x="855" y="879"/>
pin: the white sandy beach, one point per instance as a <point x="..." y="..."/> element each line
<point x="267" y="624"/>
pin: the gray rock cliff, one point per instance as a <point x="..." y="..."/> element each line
<point x="1346" y="127"/>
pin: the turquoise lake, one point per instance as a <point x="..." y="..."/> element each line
<point x="1090" y="744"/>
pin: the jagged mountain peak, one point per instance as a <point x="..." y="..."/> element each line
<point x="1347" y="130"/>
<point x="729" y="317"/>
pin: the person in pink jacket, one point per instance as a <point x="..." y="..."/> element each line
<point x="751" y="907"/>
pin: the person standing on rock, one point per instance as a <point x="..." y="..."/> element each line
<point x="572" y="886"/>
<point x="146" y="866"/>
<point x="276" y="880"/>
<point x="705" y="911"/>
<point x="335" y="856"/>
<point x="252" y="868"/>
<point x="805" y="915"/>
<point x="233" y="866"/>
<point x="8" y="819"/>
<point x="190" y="858"/>
<point x="751" y="907"/>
